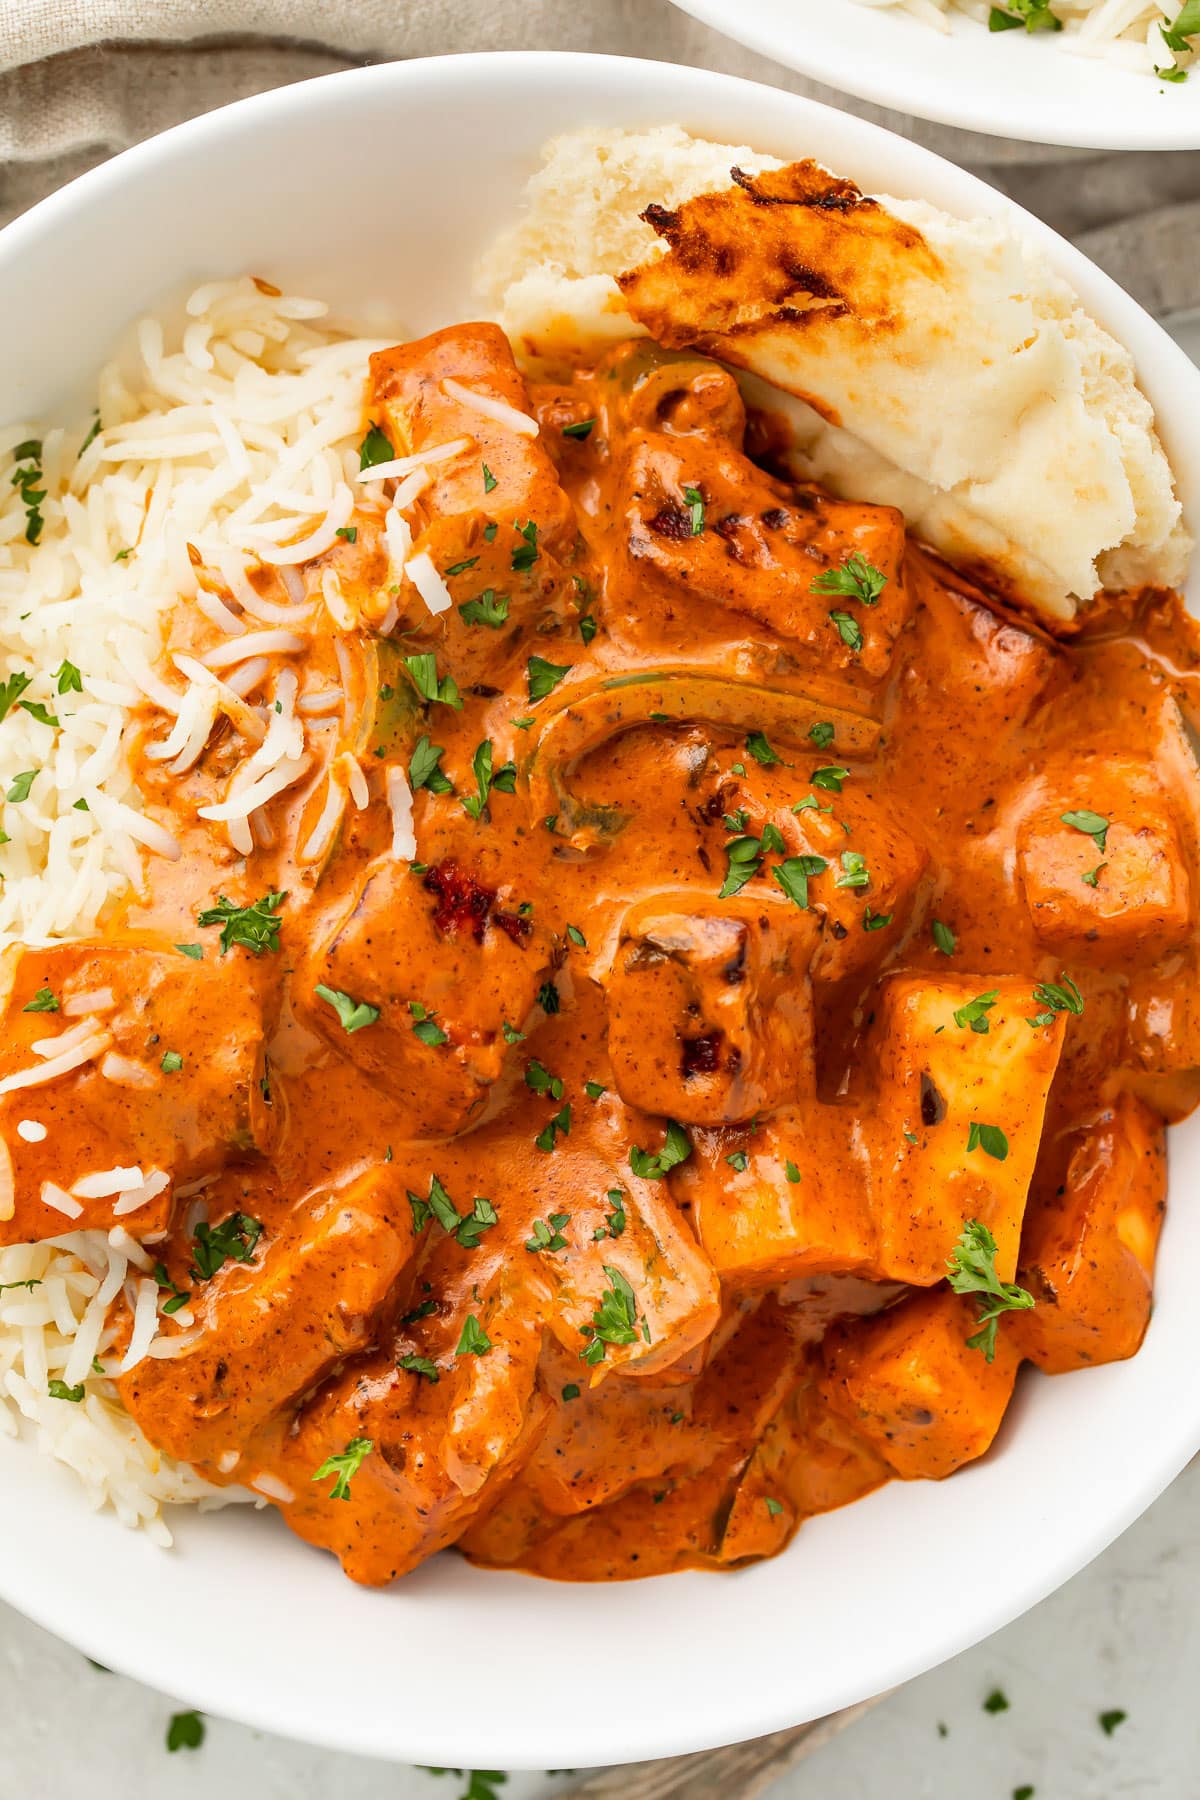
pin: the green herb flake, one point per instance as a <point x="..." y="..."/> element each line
<point x="695" y="501"/>
<point x="185" y="1731"/>
<point x="580" y="429"/>
<point x="443" y="691"/>
<point x="233" y="1240"/>
<point x="254" y="927"/>
<point x="1056" y="997"/>
<point x="425" y="768"/>
<point x="571" y="1391"/>
<point x="474" y="1340"/>
<point x="614" y="1320"/>
<point x="594" y="1091"/>
<point x="943" y="938"/>
<point x="21" y="785"/>
<point x="761" y="750"/>
<point x="856" y="579"/>
<point x="791" y="1171"/>
<point x="419" y="1365"/>
<point x="171" y="1063"/>
<point x="830" y="778"/>
<point x="972" y="1270"/>
<point x="548" y="1236"/>
<point x="996" y="1702"/>
<point x="821" y="734"/>
<point x="460" y="568"/>
<point x="489" y="480"/>
<point x="973" y="1015"/>
<point x="774" y="1507"/>
<point x="794" y="875"/>
<point x="58" y="1390"/>
<point x="737" y="1159"/>
<point x="68" y="678"/>
<point x="855" y="873"/>
<point x="425" y="1026"/>
<point x="348" y="533"/>
<point x="195" y="951"/>
<point x="526" y="552"/>
<point x="652" y="1165"/>
<point x="1093" y="825"/>
<point x="988" y="1138"/>
<point x="543" y="677"/>
<point x="344" y="1466"/>
<point x="488" y="608"/>
<point x="375" y="448"/>
<point x="873" y="921"/>
<point x="560" y="1124"/>
<point x="43" y="1001"/>
<point x="1108" y="1721"/>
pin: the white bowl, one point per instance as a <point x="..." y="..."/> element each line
<point x="378" y="188"/>
<point x="1009" y="84"/>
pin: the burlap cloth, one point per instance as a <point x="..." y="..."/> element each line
<point x="82" y="79"/>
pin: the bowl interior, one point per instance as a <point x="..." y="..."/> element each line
<point x="377" y="189"/>
<point x="1009" y="84"/>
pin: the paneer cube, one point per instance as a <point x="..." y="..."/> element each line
<point x="90" y="1087"/>
<point x="958" y="1117"/>
<point x="1087" y="1253"/>
<point x="1124" y="887"/>
<point x="910" y="1386"/>
<point x="778" y="1202"/>
<point x="709" y="1010"/>
<point x="440" y="951"/>
<point x="757" y="552"/>
<point x="271" y="1328"/>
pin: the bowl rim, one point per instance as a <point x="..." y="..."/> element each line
<point x="895" y="74"/>
<point x="756" y="1706"/>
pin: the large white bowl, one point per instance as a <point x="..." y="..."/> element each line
<point x="1009" y="83"/>
<point x="378" y="188"/>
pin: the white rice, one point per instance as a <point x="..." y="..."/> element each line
<point x="230" y="438"/>
<point x="1123" y="32"/>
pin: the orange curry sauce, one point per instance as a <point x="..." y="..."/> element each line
<point x="774" y="849"/>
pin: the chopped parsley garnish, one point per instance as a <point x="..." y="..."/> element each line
<point x="1054" y="998"/>
<point x="791" y="1171"/>
<point x="488" y="608"/>
<point x="761" y="750"/>
<point x="594" y="1091"/>
<point x="419" y="1365"/>
<point x="423" y="670"/>
<point x="580" y="429"/>
<point x="21" y="785"/>
<point x="974" y="1013"/>
<point x="348" y="533"/>
<point x="465" y="1228"/>
<point x="353" y="1015"/>
<point x="68" y="678"/>
<point x="587" y="628"/>
<point x="695" y="500"/>
<point x="233" y="1240"/>
<point x="526" y="552"/>
<point x="511" y="1034"/>
<point x="847" y="628"/>
<point x="614" y="1222"/>
<point x="474" y="1340"/>
<point x="489" y="480"/>
<point x="27" y="481"/>
<point x="94" y="431"/>
<point x="58" y="1390"/>
<point x="254" y="927"/>
<point x="12" y="689"/>
<point x="542" y="1081"/>
<point x="43" y="1001"/>
<point x="185" y="1731"/>
<point x="821" y="734"/>
<point x="1108" y="1721"/>
<point x="745" y="857"/>
<point x="996" y="1702"/>
<point x="614" y="1320"/>
<point x="460" y="568"/>
<point x="344" y="1466"/>
<point x="829" y="778"/>
<point x="873" y="921"/>
<point x="543" y="677"/>
<point x="1034" y="15"/>
<point x="490" y="530"/>
<point x="37" y="711"/>
<point x="425" y="769"/>
<point x="943" y="938"/>
<point x="855" y="873"/>
<point x="576" y="936"/>
<point x="548" y="998"/>
<point x="774" y="1507"/>
<point x="195" y="951"/>
<point x="504" y="780"/>
<point x="548" y="1237"/>
<point x="560" y="1123"/>
<point x="1183" y="27"/>
<point x="1093" y="825"/>
<point x="179" y="1296"/>
<point x="375" y="448"/>
<point x="794" y="875"/>
<point x="425" y="1026"/>
<point x="652" y="1165"/>
<point x="1091" y="877"/>
<point x="171" y="1063"/>
<point x="856" y="579"/>
<point x="571" y="1391"/>
<point x="972" y="1270"/>
<point x="988" y="1138"/>
<point x="737" y="1159"/>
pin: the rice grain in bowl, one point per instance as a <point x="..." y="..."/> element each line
<point x="335" y="1678"/>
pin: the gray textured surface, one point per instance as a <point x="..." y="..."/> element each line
<point x="1125" y="1633"/>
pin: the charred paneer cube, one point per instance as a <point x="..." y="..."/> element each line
<point x="416" y="982"/>
<point x="1091" y="1233"/>
<point x="912" y="1387"/>
<point x="124" y="1069"/>
<point x="1101" y="861"/>
<point x="709" y="1010"/>
<point x="962" y="1078"/>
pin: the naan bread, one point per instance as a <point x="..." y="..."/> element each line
<point x="923" y="361"/>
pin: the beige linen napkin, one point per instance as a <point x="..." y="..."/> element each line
<point x="82" y="79"/>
